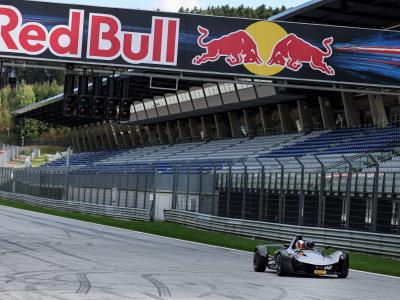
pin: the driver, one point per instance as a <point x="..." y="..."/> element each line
<point x="300" y="245"/>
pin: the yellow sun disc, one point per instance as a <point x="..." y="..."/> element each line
<point x="266" y="35"/>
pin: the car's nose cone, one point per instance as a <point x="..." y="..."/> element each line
<point x="315" y="258"/>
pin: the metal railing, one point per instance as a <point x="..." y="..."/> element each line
<point x="87" y="208"/>
<point x="383" y="244"/>
<point x="8" y="153"/>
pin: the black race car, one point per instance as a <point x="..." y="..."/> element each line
<point x="301" y="257"/>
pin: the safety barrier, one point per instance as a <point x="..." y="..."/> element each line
<point x="374" y="243"/>
<point x="87" y="208"/>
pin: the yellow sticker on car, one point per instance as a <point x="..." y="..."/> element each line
<point x="319" y="272"/>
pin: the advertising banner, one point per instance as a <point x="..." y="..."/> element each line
<point x="198" y="44"/>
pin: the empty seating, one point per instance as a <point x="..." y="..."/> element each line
<point x="194" y="155"/>
<point x="294" y="151"/>
<point x="392" y="165"/>
<point x="83" y="159"/>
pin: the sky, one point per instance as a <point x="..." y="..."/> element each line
<point x="174" y="5"/>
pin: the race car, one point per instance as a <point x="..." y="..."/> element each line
<point x="301" y="257"/>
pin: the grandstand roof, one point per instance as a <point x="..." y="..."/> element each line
<point x="382" y="14"/>
<point x="50" y="110"/>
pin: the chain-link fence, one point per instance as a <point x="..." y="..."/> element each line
<point x="367" y="201"/>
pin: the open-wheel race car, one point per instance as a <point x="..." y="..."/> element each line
<point x="300" y="257"/>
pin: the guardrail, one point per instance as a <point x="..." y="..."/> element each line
<point x="374" y="243"/>
<point x="87" y="208"/>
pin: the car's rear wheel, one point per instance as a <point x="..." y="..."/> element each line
<point x="280" y="269"/>
<point x="259" y="262"/>
<point x="344" y="271"/>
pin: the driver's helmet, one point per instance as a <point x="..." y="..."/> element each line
<point x="300" y="244"/>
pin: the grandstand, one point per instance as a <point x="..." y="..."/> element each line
<point x="314" y="154"/>
<point x="329" y="146"/>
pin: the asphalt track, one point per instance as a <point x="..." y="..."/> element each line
<point x="47" y="257"/>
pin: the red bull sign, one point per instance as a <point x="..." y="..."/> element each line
<point x="196" y="44"/>
<point x="105" y="39"/>
<point x="266" y="51"/>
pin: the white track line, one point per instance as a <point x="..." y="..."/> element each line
<point x="371" y="273"/>
<point x="175" y="239"/>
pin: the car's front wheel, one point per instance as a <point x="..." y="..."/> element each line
<point x="344" y="270"/>
<point x="280" y="269"/>
<point x="259" y="262"/>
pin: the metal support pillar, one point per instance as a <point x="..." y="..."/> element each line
<point x="321" y="200"/>
<point x="89" y="138"/>
<point x="105" y="125"/>
<point x="281" y="195"/>
<point x="175" y="186"/>
<point x="213" y="212"/>
<point x="228" y="190"/>
<point x="301" y="193"/>
<point x="100" y="133"/>
<point x="328" y="118"/>
<point x="245" y="175"/>
<point x="187" y="186"/>
<point x="262" y="187"/>
<point x="398" y="216"/>
<point x="375" y="194"/>
<point x="350" y="110"/>
<point x="200" y="189"/>
<point x="348" y="191"/>
<point x="85" y="148"/>
<point x="117" y="144"/>
<point x="74" y="140"/>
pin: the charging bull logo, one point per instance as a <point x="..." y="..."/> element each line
<point x="237" y="47"/>
<point x="293" y="51"/>
<point x="264" y="48"/>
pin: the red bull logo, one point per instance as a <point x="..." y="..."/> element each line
<point x="292" y="52"/>
<point x="237" y="47"/>
<point x="264" y="48"/>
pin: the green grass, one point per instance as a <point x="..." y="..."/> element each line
<point x="44" y="149"/>
<point x="37" y="162"/>
<point x="358" y="261"/>
<point x="51" y="149"/>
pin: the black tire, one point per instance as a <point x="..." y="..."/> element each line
<point x="344" y="272"/>
<point x="280" y="267"/>
<point x="259" y="262"/>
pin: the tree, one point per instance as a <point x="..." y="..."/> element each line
<point x="5" y="115"/>
<point x="46" y="90"/>
<point x="22" y="96"/>
<point x="33" y="85"/>
<point x="26" y="94"/>
<point x="260" y="12"/>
